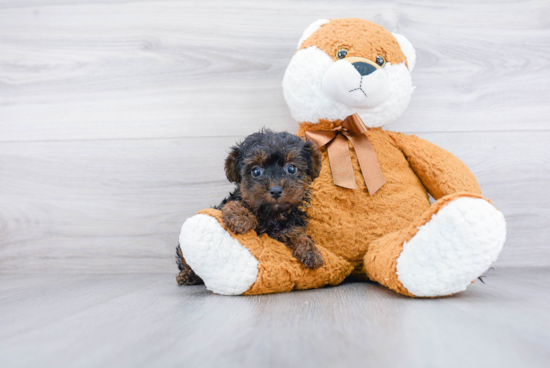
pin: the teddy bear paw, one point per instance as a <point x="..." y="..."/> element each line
<point x="225" y="266"/>
<point x="452" y="249"/>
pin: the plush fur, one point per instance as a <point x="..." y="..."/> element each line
<point x="395" y="236"/>
<point x="306" y="83"/>
<point x="254" y="205"/>
<point x="225" y="266"/>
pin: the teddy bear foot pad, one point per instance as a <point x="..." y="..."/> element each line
<point x="225" y="266"/>
<point x="457" y="245"/>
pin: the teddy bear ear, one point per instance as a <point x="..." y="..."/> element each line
<point x="311" y="29"/>
<point x="407" y="49"/>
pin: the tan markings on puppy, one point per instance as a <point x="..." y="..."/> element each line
<point x="186" y="276"/>
<point x="294" y="192"/>
<point x="230" y="166"/>
<point x="359" y="37"/>
<point x="303" y="248"/>
<point x="255" y="196"/>
<point x="292" y="155"/>
<point x="270" y="196"/>
<point x="237" y="218"/>
<point x="258" y="159"/>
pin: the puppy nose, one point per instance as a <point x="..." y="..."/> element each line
<point x="364" y="68"/>
<point x="276" y="192"/>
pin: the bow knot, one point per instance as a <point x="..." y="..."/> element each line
<point x="336" y="140"/>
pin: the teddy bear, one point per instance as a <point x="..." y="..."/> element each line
<point x="370" y="213"/>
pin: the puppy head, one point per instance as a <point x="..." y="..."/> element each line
<point x="273" y="170"/>
<point x="348" y="66"/>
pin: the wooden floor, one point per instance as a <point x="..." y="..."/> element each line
<point x="146" y="320"/>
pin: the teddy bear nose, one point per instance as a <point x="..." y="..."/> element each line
<point x="363" y="68"/>
<point x="276" y="192"/>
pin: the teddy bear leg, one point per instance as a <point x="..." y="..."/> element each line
<point x="248" y="264"/>
<point x="441" y="252"/>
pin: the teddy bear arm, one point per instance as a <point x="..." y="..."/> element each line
<point x="440" y="171"/>
<point x="247" y="264"/>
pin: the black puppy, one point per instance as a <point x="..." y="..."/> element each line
<point x="272" y="172"/>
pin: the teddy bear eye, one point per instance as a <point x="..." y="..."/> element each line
<point x="342" y="53"/>
<point x="291" y="169"/>
<point x="256" y="172"/>
<point x="380" y="60"/>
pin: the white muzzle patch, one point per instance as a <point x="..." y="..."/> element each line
<point x="344" y="84"/>
<point x="316" y="88"/>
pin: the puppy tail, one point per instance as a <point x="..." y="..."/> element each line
<point x="186" y="276"/>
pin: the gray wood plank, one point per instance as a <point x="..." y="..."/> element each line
<point x="44" y="297"/>
<point x="503" y="323"/>
<point x="117" y="206"/>
<point x="104" y="70"/>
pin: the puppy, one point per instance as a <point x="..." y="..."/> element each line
<point x="272" y="173"/>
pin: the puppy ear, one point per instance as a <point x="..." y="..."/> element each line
<point x="315" y="161"/>
<point x="407" y="48"/>
<point x="232" y="163"/>
<point x="311" y="29"/>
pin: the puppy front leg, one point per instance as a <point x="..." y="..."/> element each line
<point x="238" y="218"/>
<point x="303" y="247"/>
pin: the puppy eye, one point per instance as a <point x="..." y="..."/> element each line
<point x="342" y="53"/>
<point x="380" y="60"/>
<point x="256" y="172"/>
<point x="291" y="169"/>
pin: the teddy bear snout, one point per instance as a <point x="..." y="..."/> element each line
<point x="356" y="83"/>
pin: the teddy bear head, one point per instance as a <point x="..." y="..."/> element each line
<point x="346" y="66"/>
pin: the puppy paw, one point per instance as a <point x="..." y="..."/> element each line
<point x="309" y="255"/>
<point x="237" y="218"/>
<point x="239" y="224"/>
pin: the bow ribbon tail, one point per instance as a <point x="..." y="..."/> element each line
<point x="338" y="150"/>
<point x="338" y="156"/>
<point x="340" y="163"/>
<point x="370" y="168"/>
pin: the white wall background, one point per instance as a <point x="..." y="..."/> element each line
<point x="115" y="116"/>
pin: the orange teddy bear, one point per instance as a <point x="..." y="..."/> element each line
<point x="370" y="213"/>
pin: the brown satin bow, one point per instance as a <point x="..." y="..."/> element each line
<point x="352" y="128"/>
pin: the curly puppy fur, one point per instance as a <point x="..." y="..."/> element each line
<point x="272" y="173"/>
<point x="186" y="276"/>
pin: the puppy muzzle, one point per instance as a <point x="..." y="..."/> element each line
<point x="356" y="82"/>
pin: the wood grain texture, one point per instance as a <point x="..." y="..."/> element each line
<point x="148" y="321"/>
<point x="115" y="116"/>
<point x="103" y="70"/>
<point x="117" y="206"/>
